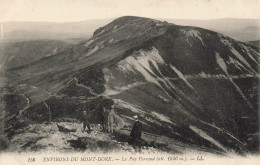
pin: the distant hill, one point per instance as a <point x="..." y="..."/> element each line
<point x="15" y="31"/>
<point x="14" y="54"/>
<point x="239" y="29"/>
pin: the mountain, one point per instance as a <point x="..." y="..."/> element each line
<point x="192" y="85"/>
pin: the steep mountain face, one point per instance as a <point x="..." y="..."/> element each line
<point x="190" y="84"/>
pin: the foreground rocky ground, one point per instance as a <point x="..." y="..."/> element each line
<point x="64" y="137"/>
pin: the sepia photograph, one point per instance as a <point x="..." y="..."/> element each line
<point x="134" y="81"/>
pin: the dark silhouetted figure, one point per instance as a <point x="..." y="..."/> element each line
<point x="136" y="135"/>
<point x="102" y="117"/>
<point x="85" y="120"/>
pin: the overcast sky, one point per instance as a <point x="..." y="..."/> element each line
<point x="78" y="10"/>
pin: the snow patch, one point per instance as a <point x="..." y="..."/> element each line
<point x="100" y="32"/>
<point x="181" y="76"/>
<point x="242" y="94"/>
<point x="109" y="91"/>
<point x="249" y="53"/>
<point x="237" y="64"/>
<point x="131" y="118"/>
<point x="133" y="108"/>
<point x="125" y="67"/>
<point x="140" y="64"/>
<point x="240" y="57"/>
<point x="207" y="137"/>
<point x="89" y="42"/>
<point x="226" y="41"/>
<point x="164" y="99"/>
<point x="162" y="117"/>
<point x="203" y="74"/>
<point x="193" y="33"/>
<point x="220" y="129"/>
<point x="221" y="63"/>
<point x="117" y="90"/>
<point x="96" y="48"/>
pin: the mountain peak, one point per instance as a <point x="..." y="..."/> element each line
<point x="125" y="19"/>
<point x="128" y="21"/>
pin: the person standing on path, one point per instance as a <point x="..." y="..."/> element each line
<point x="136" y="134"/>
<point x="111" y="119"/>
<point x="85" y="120"/>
